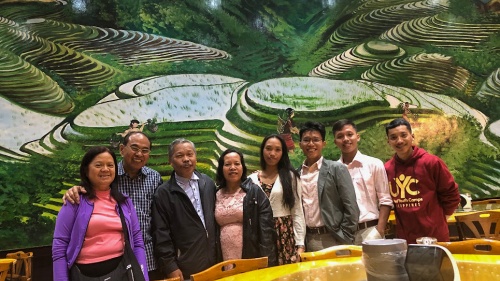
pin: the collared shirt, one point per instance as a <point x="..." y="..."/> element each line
<point x="190" y="187"/>
<point x="371" y="185"/>
<point x="141" y="191"/>
<point x="310" y="198"/>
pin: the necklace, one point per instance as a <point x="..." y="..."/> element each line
<point x="265" y="179"/>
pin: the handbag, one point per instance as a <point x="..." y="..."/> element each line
<point x="134" y="271"/>
<point x="128" y="268"/>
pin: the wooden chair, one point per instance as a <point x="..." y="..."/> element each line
<point x="486" y="204"/>
<point x="5" y="267"/>
<point x="22" y="268"/>
<point x="473" y="246"/>
<point x="238" y="266"/>
<point x="4" y="271"/>
<point x="341" y="251"/>
<point x="485" y="224"/>
<point x="169" y="279"/>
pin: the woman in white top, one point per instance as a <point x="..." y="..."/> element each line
<point x="279" y="180"/>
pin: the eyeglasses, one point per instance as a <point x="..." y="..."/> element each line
<point x="315" y="141"/>
<point x="136" y="149"/>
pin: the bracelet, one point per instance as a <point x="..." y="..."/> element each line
<point x="300" y="247"/>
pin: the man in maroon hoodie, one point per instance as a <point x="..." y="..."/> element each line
<point x="422" y="188"/>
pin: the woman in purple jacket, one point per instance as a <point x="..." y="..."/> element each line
<point x="89" y="236"/>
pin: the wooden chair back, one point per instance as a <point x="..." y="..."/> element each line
<point x="484" y="224"/>
<point x="22" y="268"/>
<point x="486" y="204"/>
<point x="5" y="267"/>
<point x="229" y="267"/>
<point x="341" y="251"/>
<point x="4" y="270"/>
<point x="168" y="279"/>
<point x="473" y="246"/>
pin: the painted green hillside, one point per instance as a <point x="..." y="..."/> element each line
<point x="74" y="73"/>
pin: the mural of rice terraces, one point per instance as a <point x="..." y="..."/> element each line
<point x="74" y="73"/>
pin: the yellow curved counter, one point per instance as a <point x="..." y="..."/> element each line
<point x="471" y="268"/>
<point x="478" y="267"/>
<point x="351" y="268"/>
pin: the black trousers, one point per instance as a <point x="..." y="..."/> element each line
<point x="99" y="268"/>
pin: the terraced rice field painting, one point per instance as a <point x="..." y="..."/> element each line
<point x="221" y="73"/>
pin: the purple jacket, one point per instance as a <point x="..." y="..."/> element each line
<point x="71" y="226"/>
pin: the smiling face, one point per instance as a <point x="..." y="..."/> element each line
<point x="133" y="161"/>
<point x="401" y="141"/>
<point x="183" y="159"/>
<point x="232" y="169"/>
<point x="101" y="171"/>
<point x="312" y="145"/>
<point x="346" y="140"/>
<point x="272" y="152"/>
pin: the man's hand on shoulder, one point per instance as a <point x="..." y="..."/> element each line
<point x="72" y="195"/>
<point x="176" y="273"/>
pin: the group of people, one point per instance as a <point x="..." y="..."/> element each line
<point x="191" y="222"/>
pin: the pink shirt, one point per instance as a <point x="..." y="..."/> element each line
<point x="229" y="215"/>
<point x="104" y="237"/>
<point x="370" y="184"/>
<point x="310" y="199"/>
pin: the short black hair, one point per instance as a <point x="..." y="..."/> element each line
<point x="219" y="176"/>
<point x="396" y="123"/>
<point x="337" y="126"/>
<point x="313" y="126"/>
<point x="84" y="168"/>
<point x="126" y="139"/>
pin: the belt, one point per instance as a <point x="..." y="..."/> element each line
<point x="316" y="230"/>
<point x="366" y="224"/>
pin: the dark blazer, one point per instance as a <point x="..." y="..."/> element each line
<point x="180" y="239"/>
<point x="337" y="199"/>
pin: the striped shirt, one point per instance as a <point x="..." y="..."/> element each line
<point x="141" y="191"/>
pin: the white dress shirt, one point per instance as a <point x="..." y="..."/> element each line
<point x="190" y="186"/>
<point x="310" y="198"/>
<point x="371" y="185"/>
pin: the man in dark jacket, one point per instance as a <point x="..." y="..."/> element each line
<point x="183" y="227"/>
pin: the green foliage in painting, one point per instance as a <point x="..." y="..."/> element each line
<point x="255" y="41"/>
<point x="466" y="11"/>
<point x="21" y="220"/>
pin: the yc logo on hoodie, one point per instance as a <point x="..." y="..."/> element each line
<point x="403" y="187"/>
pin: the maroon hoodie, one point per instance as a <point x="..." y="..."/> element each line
<point x="423" y="191"/>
